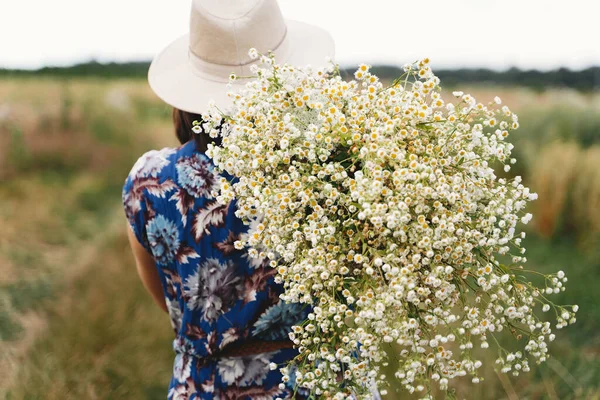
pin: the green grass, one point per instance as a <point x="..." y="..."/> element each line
<point x="28" y="294"/>
<point x="18" y="153"/>
<point x="10" y="329"/>
<point x="583" y="272"/>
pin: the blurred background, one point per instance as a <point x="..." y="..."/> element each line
<point x="76" y="112"/>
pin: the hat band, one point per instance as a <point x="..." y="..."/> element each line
<point x="221" y="72"/>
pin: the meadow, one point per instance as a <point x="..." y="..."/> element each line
<point x="75" y="321"/>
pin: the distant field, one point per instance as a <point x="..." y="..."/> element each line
<point x="75" y="321"/>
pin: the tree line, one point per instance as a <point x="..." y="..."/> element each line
<point x="583" y="80"/>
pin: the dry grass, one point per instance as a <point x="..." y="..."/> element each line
<point x="586" y="195"/>
<point x="552" y="176"/>
<point x="567" y="180"/>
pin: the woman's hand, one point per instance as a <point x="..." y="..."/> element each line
<point x="147" y="271"/>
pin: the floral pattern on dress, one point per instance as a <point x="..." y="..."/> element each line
<point x="197" y="175"/>
<point x="151" y="163"/>
<point x="216" y="295"/>
<point x="213" y="288"/>
<point x="277" y="321"/>
<point x="243" y="371"/>
<point x="163" y="237"/>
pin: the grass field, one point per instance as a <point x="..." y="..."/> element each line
<point x="75" y="321"/>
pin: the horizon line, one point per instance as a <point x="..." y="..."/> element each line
<point x="344" y="65"/>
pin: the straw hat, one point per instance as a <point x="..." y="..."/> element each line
<point x="196" y="67"/>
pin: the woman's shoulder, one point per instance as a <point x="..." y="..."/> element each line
<point x="182" y="168"/>
<point x="165" y="186"/>
<point x="160" y="176"/>
<point x="155" y="163"/>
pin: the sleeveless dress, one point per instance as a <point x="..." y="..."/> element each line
<point x="216" y="294"/>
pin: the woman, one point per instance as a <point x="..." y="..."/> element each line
<point x="230" y="325"/>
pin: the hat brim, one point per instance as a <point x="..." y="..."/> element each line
<point x="174" y="80"/>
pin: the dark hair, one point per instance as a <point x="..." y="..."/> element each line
<point x="183" y="122"/>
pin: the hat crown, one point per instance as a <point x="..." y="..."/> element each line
<point x="222" y="31"/>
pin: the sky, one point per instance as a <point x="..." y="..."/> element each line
<point x="496" y="34"/>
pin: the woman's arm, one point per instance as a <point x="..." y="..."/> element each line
<point x="147" y="271"/>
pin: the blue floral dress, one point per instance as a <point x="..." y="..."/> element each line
<point x="216" y="295"/>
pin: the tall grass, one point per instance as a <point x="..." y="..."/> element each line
<point x="551" y="176"/>
<point x="75" y="321"/>
<point x="65" y="149"/>
<point x="104" y="340"/>
<point x="567" y="180"/>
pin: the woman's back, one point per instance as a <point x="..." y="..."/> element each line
<point x="216" y="295"/>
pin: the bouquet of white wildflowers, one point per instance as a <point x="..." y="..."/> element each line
<point x="380" y="208"/>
